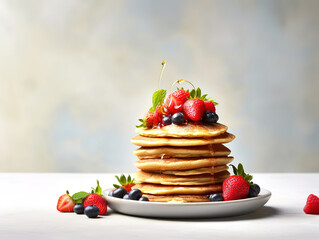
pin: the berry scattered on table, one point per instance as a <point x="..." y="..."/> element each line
<point x="78" y="208"/>
<point x="135" y="194"/>
<point x="96" y="199"/>
<point x="65" y="203"/>
<point x="178" y="118"/>
<point x="194" y="109"/>
<point x="216" y="197"/>
<point x="119" y="192"/>
<point x="92" y="211"/>
<point x="210" y="117"/>
<point x="312" y="205"/>
<point x="145" y="199"/>
<point x="126" y="182"/>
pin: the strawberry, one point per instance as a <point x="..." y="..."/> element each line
<point x="158" y="115"/>
<point x="96" y="199"/>
<point x="149" y="119"/>
<point x="174" y="102"/>
<point x="127" y="183"/>
<point x="209" y="106"/>
<point x="194" y="109"/>
<point x="237" y="186"/>
<point x="312" y="205"/>
<point x="65" y="203"/>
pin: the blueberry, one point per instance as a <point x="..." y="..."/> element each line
<point x="252" y="193"/>
<point x="78" y="208"/>
<point x="126" y="197"/>
<point x="119" y="192"/>
<point x="92" y="211"/>
<point x="167" y="120"/>
<point x="178" y="118"/>
<point x="143" y="199"/>
<point x="209" y="117"/>
<point x="257" y="188"/>
<point x="135" y="194"/>
<point x="110" y="194"/>
<point x="216" y="197"/>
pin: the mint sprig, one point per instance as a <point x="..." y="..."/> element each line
<point x="158" y="98"/>
<point x="79" y="196"/>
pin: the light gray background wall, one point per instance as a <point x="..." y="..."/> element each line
<point x="76" y="75"/>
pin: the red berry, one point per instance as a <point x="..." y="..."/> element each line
<point x="174" y="102"/>
<point x="209" y="106"/>
<point x="312" y="205"/>
<point x="128" y="187"/>
<point x="194" y="109"/>
<point x="158" y="115"/>
<point x="65" y="203"/>
<point x="235" y="187"/>
<point x="149" y="119"/>
<point x="96" y="200"/>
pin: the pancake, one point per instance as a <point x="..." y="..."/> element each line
<point x="202" y="179"/>
<point x="213" y="150"/>
<point x="180" y="164"/>
<point x="197" y="171"/>
<point x="177" y="198"/>
<point x="184" y="131"/>
<point x="181" y="142"/>
<point x="157" y="189"/>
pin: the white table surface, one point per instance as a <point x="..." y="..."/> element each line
<point x="28" y="211"/>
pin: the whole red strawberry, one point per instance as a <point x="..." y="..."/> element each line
<point x="65" y="203"/>
<point x="312" y="205"/>
<point x="237" y="186"/>
<point x="96" y="200"/>
<point x="209" y="106"/>
<point x="174" y="102"/>
<point x="194" y="109"/>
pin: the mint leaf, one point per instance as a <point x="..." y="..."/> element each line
<point x="98" y="189"/>
<point x="143" y="123"/>
<point x="158" y="98"/>
<point x="79" y="196"/>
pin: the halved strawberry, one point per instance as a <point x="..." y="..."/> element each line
<point x="127" y="183"/>
<point x="65" y="203"/>
<point x="174" y="102"/>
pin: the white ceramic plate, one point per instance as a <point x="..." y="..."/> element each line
<point x="188" y="210"/>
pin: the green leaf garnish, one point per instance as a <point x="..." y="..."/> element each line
<point x="158" y="98"/>
<point x="123" y="180"/>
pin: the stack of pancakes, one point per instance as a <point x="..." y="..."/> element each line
<point x="182" y="163"/>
